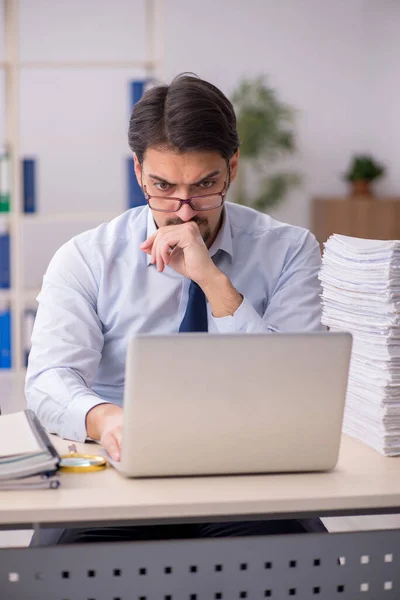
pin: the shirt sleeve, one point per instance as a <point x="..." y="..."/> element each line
<point x="67" y="342"/>
<point x="294" y="304"/>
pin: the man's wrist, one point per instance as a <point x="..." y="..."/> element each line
<point x="96" y="417"/>
<point x="224" y="299"/>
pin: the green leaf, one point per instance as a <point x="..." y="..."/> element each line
<point x="265" y="124"/>
<point x="266" y="131"/>
<point x="364" y="167"/>
<point x="274" y="188"/>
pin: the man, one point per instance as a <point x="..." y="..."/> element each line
<point x="148" y="269"/>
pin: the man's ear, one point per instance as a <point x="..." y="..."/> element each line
<point x="234" y="164"/>
<point x="138" y="169"/>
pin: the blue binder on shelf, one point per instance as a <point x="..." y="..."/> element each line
<point x="137" y="90"/>
<point x="4" y="259"/>
<point x="5" y="339"/>
<point x="135" y="193"/>
<point x="29" y="184"/>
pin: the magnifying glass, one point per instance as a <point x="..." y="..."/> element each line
<point x="75" y="462"/>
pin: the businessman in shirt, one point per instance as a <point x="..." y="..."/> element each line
<point x="142" y="272"/>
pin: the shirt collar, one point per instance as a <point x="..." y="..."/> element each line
<point x="223" y="241"/>
<point x="151" y="228"/>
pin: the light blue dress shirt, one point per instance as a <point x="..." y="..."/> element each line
<point x="100" y="289"/>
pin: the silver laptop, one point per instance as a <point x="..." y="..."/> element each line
<point x="199" y="404"/>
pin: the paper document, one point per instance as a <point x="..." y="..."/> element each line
<point x="361" y="294"/>
<point x="16" y="435"/>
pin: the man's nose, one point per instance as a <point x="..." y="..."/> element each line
<point x="186" y="212"/>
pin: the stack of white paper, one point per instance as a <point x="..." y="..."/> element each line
<point x="361" y="294"/>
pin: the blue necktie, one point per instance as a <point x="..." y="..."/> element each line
<point x="195" y="318"/>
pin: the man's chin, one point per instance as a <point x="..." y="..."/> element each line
<point x="205" y="234"/>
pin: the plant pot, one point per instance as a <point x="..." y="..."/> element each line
<point x="361" y="187"/>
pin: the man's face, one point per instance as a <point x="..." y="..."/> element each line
<point x="167" y="174"/>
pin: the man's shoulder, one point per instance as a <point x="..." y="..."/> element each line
<point x="106" y="241"/>
<point x="118" y="230"/>
<point x="102" y="244"/>
<point x="244" y="219"/>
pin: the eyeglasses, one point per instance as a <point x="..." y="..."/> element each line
<point x="197" y="203"/>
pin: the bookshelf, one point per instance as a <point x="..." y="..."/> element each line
<point x="38" y="218"/>
<point x="22" y="293"/>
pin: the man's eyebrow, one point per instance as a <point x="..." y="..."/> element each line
<point x="161" y="179"/>
<point x="206" y="178"/>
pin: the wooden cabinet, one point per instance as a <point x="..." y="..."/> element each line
<point x="364" y="217"/>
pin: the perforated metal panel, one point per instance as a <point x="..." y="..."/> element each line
<point x="352" y="566"/>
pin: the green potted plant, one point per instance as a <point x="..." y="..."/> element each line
<point x="362" y="171"/>
<point x="265" y="126"/>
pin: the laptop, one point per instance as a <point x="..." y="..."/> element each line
<point x="209" y="404"/>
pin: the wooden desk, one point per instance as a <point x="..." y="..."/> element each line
<point x="363" y="482"/>
<point x="334" y="566"/>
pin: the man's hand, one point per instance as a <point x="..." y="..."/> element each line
<point x="183" y="249"/>
<point x="104" y="424"/>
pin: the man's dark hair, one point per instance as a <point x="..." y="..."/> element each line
<point x="188" y="115"/>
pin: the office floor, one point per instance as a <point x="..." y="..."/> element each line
<point x="12" y="399"/>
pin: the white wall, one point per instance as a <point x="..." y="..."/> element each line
<point x="315" y="54"/>
<point x="383" y="55"/>
<point x="334" y="60"/>
<point x="75" y="120"/>
<point x="2" y="99"/>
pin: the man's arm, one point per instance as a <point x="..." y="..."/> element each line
<point x="67" y="342"/>
<point x="182" y="248"/>
<point x="294" y="304"/>
<point x="224" y="299"/>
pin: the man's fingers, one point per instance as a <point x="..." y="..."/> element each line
<point x="160" y="262"/>
<point x="149" y="240"/>
<point x="118" y="436"/>
<point x="166" y="250"/>
<point x="147" y="245"/>
<point x="153" y="258"/>
<point x="112" y="444"/>
<point x="156" y="253"/>
<point x="165" y="240"/>
<point x="153" y="254"/>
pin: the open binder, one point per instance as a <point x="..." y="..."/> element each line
<point x="28" y="459"/>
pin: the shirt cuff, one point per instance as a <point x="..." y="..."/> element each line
<point x="244" y="320"/>
<point x="75" y="419"/>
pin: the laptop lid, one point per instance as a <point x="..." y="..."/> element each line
<point x="222" y="404"/>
